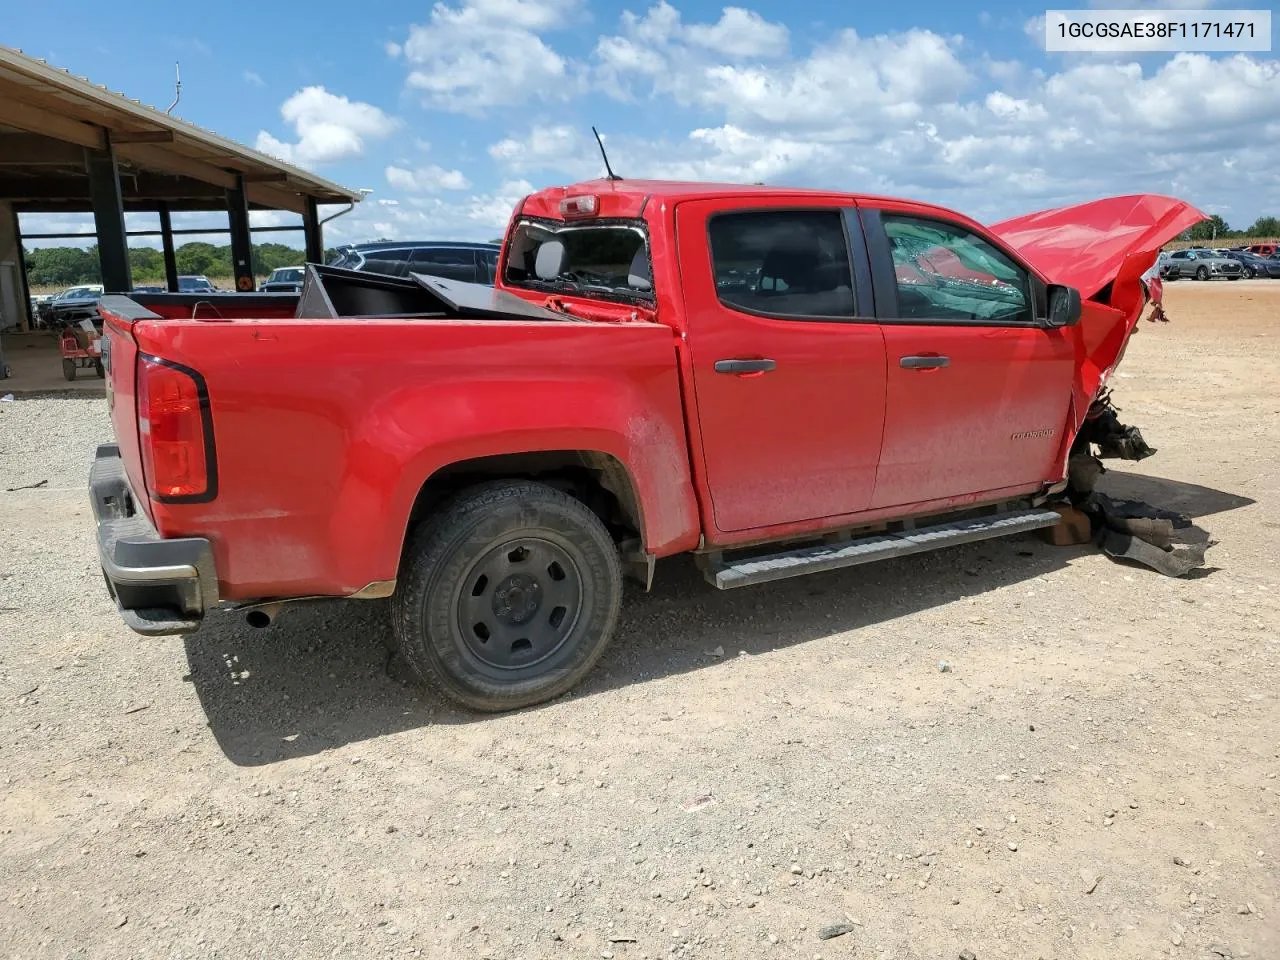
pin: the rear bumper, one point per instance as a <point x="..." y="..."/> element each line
<point x="160" y="586"/>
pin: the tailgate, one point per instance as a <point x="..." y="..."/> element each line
<point x="120" y="361"/>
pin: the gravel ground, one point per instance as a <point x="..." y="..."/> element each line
<point x="1096" y="775"/>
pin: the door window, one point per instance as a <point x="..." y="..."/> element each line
<point x="945" y="272"/>
<point x="783" y="263"/>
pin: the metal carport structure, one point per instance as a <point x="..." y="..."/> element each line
<point x="68" y="145"/>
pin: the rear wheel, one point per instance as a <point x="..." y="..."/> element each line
<point x="68" y="368"/>
<point x="1202" y="273"/>
<point x="507" y="596"/>
<point x="98" y="369"/>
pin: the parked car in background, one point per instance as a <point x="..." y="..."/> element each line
<point x="1264" y="249"/>
<point x="1202" y="265"/>
<point x="151" y="288"/>
<point x="470" y="262"/>
<point x="1253" y="265"/>
<point x="195" y="283"/>
<point x="74" y="303"/>
<point x="284" y="280"/>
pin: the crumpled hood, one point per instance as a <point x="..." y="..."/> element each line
<point x="1101" y="248"/>
<point x="1086" y="245"/>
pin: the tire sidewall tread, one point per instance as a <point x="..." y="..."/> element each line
<point x="442" y="549"/>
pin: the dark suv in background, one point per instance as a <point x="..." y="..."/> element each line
<point x="472" y="262"/>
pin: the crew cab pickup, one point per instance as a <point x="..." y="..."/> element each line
<point x="779" y="381"/>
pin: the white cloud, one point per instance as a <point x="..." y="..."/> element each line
<point x="488" y="53"/>
<point x="564" y="150"/>
<point x="477" y="216"/>
<point x="329" y="128"/>
<point x="741" y="33"/>
<point x="253" y="79"/>
<point x="428" y="179"/>
<point x="393" y="49"/>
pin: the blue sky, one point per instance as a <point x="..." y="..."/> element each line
<point x="449" y="112"/>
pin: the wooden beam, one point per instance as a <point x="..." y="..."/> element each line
<point x="169" y="161"/>
<point x="141" y="136"/>
<point x="273" y="176"/>
<point x="32" y="149"/>
<point x="275" y="198"/>
<point x="15" y="113"/>
<point x="141" y="186"/>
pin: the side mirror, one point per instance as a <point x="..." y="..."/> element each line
<point x="1064" y="306"/>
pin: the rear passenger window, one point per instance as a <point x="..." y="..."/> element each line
<point x="390" y="262"/>
<point x="944" y="272"/>
<point x="783" y="263"/>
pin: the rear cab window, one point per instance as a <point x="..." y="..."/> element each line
<point x="782" y="263"/>
<point x="605" y="259"/>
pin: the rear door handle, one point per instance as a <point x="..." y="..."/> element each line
<point x="745" y="366"/>
<point x="923" y="363"/>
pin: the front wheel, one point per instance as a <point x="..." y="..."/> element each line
<point x="1202" y="273"/>
<point x="1248" y="273"/>
<point x="68" y="368"/>
<point x="507" y="596"/>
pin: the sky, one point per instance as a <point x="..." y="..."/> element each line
<point x="450" y="112"/>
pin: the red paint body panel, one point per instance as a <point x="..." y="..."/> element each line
<point x="992" y="418"/>
<point x="325" y="430"/>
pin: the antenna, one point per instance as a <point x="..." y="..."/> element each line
<point x="608" y="169"/>
<point x="177" y="87"/>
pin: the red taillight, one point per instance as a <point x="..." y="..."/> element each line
<point x="173" y="432"/>
<point x="586" y="205"/>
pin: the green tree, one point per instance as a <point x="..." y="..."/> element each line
<point x="1265" y="227"/>
<point x="1210" y="229"/>
<point x="197" y="258"/>
<point x="146" y="264"/>
<point x="62" y="266"/>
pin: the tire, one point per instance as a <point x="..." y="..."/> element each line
<point x="1202" y="273"/>
<point x="97" y="369"/>
<point x="1248" y="273"/>
<point x="68" y="368"/>
<point x="507" y="596"/>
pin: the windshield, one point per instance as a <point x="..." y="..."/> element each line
<point x="609" y="259"/>
<point x="194" y="285"/>
<point x="286" y="275"/>
<point x="77" y="293"/>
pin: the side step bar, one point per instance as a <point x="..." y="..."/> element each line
<point x="881" y="546"/>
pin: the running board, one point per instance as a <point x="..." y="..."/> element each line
<point x="881" y="546"/>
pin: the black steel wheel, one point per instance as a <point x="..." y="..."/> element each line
<point x="507" y="595"/>
<point x="68" y="368"/>
<point x="1202" y="273"/>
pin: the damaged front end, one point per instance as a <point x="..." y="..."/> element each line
<point x="1103" y="249"/>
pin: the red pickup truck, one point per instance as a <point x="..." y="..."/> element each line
<point x="780" y="381"/>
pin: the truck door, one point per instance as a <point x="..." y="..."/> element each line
<point x="978" y="392"/>
<point x="788" y="364"/>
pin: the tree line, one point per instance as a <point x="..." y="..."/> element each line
<point x="1217" y="228"/>
<point x="67" y="266"/>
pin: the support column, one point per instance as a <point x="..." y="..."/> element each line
<point x="312" y="232"/>
<point x="15" y="300"/>
<point x="241" y="239"/>
<point x="108" y="219"/>
<point x="166" y="243"/>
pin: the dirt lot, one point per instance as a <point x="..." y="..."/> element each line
<point x="1095" y="777"/>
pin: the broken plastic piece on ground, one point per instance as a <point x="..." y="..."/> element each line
<point x="1172" y="562"/>
<point x="1137" y="531"/>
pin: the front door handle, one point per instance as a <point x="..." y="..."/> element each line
<point x="924" y="363"/>
<point x="741" y="367"/>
